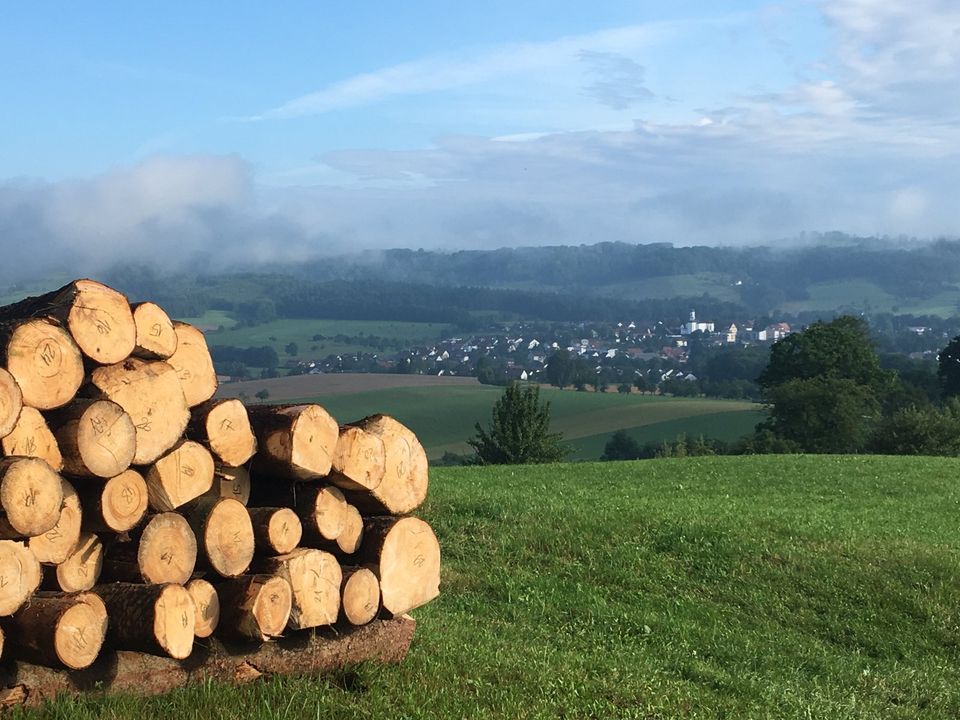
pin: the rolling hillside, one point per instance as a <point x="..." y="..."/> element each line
<point x="750" y="587"/>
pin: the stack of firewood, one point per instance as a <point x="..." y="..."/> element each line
<point x="137" y="512"/>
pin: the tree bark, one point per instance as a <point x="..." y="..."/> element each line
<point x="207" y="603"/>
<point x="360" y="592"/>
<point x="60" y="629"/>
<point x="224" y="427"/>
<point x="296" y="442"/>
<point x="193" y="364"/>
<point x="56" y="544"/>
<point x="276" y="530"/>
<point x="231" y="482"/>
<point x="164" y="552"/>
<point x="255" y="607"/>
<point x="96" y="438"/>
<point x="151" y="394"/>
<point x="359" y="461"/>
<point x="314" y="577"/>
<point x="183" y="474"/>
<point x="156" y="338"/>
<point x="224" y="534"/>
<point x="31" y="437"/>
<point x="19" y="576"/>
<point x="117" y="505"/>
<point x="98" y="318"/>
<point x="11" y="402"/>
<point x="406" y="556"/>
<point x="406" y="476"/>
<point x="30" y="494"/>
<point x="157" y="619"/>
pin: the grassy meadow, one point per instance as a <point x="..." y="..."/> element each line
<point x="721" y="587"/>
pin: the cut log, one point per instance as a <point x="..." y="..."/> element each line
<point x="81" y="570"/>
<point x="152" y="396"/>
<point x="295" y="442"/>
<point x="183" y="474"/>
<point x="224" y="427"/>
<point x="61" y="629"/>
<point x="96" y="438"/>
<point x="193" y="364"/>
<point x="404" y="484"/>
<point x="30" y="494"/>
<point x="43" y="359"/>
<point x="255" y="607"/>
<point x="165" y="552"/>
<point x="360" y="595"/>
<point x="118" y="505"/>
<point x="98" y="317"/>
<point x="19" y="576"/>
<point x="322" y="510"/>
<point x="224" y="534"/>
<point x="56" y="544"/>
<point x="31" y="437"/>
<point x="207" y="602"/>
<point x="156" y="338"/>
<point x="11" y="401"/>
<point x="349" y="540"/>
<point x="157" y="619"/>
<point x="406" y="556"/>
<point x="277" y="530"/>
<point x="231" y="482"/>
<point x="359" y="460"/>
<point x="314" y="577"/>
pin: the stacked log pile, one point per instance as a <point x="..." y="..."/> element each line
<point x="139" y="513"/>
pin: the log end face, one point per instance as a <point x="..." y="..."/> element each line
<point x="174" y="620"/>
<point x="81" y="570"/>
<point x="20" y="574"/>
<point x="156" y="338"/>
<point x="228" y="538"/>
<point x="409" y="566"/>
<point x="207" y="604"/>
<point x="107" y="439"/>
<point x="124" y="501"/>
<point x="45" y="362"/>
<point x="31" y="494"/>
<point x="168" y="549"/>
<point x="272" y="607"/>
<point x="11" y="402"/>
<point x="193" y="364"/>
<point x="80" y="632"/>
<point x="101" y="322"/>
<point x="314" y="440"/>
<point x="230" y="435"/>
<point x="361" y="597"/>
<point x="284" y="530"/>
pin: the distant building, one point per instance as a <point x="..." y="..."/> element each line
<point x="732" y="333"/>
<point x="692" y="326"/>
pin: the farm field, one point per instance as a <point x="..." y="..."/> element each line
<point x="443" y="411"/>
<point x="279" y="333"/>
<point x="740" y="587"/>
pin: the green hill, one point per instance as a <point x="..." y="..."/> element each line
<point x="766" y="587"/>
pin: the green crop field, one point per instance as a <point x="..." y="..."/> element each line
<point x="279" y="333"/>
<point x="736" y="587"/>
<point x="444" y="417"/>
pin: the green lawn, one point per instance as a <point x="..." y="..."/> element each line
<point x="722" y="587"/>
<point x="279" y="333"/>
<point x="444" y="418"/>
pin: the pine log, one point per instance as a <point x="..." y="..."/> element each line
<point x="156" y="338"/>
<point x="157" y="619"/>
<point x="98" y="318"/>
<point x="207" y="602"/>
<point x="359" y="460"/>
<point x="151" y="394"/>
<point x="277" y="530"/>
<point x="193" y="364"/>
<point x="96" y="437"/>
<point x="56" y="544"/>
<point x="322" y="510"/>
<point x="81" y="570"/>
<point x="1" y="643"/>
<point x="231" y="482"/>
<point x="223" y="426"/>
<point x="11" y="401"/>
<point x="117" y="505"/>
<point x="19" y="576"/>
<point x="404" y="484"/>
<point x="60" y="629"/>
<point x="164" y="552"/>
<point x="43" y="359"/>
<point x="314" y="577"/>
<point x="30" y="494"/>
<point x="183" y="474"/>
<point x="360" y="595"/>
<point x="295" y="442"/>
<point x="224" y="534"/>
<point x="349" y="540"/>
<point x="406" y="556"/>
<point x="255" y="607"/>
<point x="31" y="437"/>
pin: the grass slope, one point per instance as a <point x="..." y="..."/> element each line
<point x="444" y="417"/>
<point x="750" y="587"/>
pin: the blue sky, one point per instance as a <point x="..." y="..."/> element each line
<point x="305" y="128"/>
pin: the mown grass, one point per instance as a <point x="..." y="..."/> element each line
<point x="444" y="417"/>
<point x="747" y="587"/>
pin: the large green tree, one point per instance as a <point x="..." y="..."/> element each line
<point x="519" y="431"/>
<point x="948" y="369"/>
